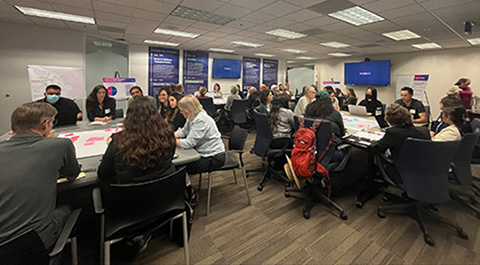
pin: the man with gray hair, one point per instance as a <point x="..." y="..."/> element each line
<point x="234" y="95"/>
<point x="253" y="96"/>
<point x="304" y="101"/>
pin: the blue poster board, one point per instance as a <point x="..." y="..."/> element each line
<point x="162" y="68"/>
<point x="251" y="72"/>
<point x="270" y="72"/>
<point x="195" y="70"/>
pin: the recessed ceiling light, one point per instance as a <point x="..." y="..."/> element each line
<point x="286" y="34"/>
<point x="356" y="16"/>
<point x="306" y="58"/>
<point x="339" y="54"/>
<point x="427" y="46"/>
<point x="293" y="51"/>
<point x="176" y="33"/>
<point x="102" y="43"/>
<point x="248" y="44"/>
<point x="335" y="44"/>
<point x="201" y="15"/>
<point x="54" y="15"/>
<point x="264" y="55"/>
<point x="475" y="41"/>
<point x="220" y="50"/>
<point x="161" y="43"/>
<point x="401" y="35"/>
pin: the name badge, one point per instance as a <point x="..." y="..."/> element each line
<point x="378" y="112"/>
<point x="107" y="111"/>
<point x="412" y="111"/>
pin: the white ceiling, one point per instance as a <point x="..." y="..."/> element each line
<point x="439" y="21"/>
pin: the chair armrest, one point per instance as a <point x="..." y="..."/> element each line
<point x="343" y="147"/>
<point x="384" y="157"/>
<point x="378" y="161"/>
<point x="67" y="229"/>
<point x="97" y="200"/>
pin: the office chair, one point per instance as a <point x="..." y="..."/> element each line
<point x="236" y="144"/>
<point x="208" y="106"/>
<point x="475" y="124"/>
<point x="261" y="148"/>
<point x="423" y="166"/>
<point x="119" y="113"/>
<point x="28" y="248"/>
<point x="130" y="210"/>
<point x="461" y="172"/>
<point x="239" y="111"/>
<point x="312" y="188"/>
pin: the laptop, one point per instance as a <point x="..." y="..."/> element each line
<point x="357" y="110"/>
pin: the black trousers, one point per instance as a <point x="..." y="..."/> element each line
<point x="206" y="164"/>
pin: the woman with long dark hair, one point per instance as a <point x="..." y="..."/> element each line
<point x="143" y="150"/>
<point x="162" y="95"/>
<point x="374" y="106"/>
<point x="173" y="115"/>
<point x="100" y="106"/>
<point x="351" y="98"/>
<point x="455" y="118"/>
<point x="266" y="97"/>
<point x="281" y="117"/>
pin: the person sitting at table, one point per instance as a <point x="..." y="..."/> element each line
<point x="415" y="107"/>
<point x="100" y="106"/>
<point x="200" y="133"/>
<point x="136" y="91"/>
<point x="252" y="98"/>
<point x="281" y="121"/>
<point x="163" y="98"/>
<point x="31" y="162"/>
<point x="322" y="108"/>
<point x="217" y="91"/>
<point x="374" y="106"/>
<point x="68" y="110"/>
<point x="304" y="101"/>
<point x="233" y="95"/>
<point x="438" y="124"/>
<point x="202" y="92"/>
<point x="266" y="96"/>
<point x="455" y="117"/>
<point x="173" y="115"/>
<point x="351" y="99"/>
<point x="333" y="98"/>
<point x="402" y="128"/>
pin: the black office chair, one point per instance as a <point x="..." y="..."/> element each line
<point x="461" y="172"/>
<point x="130" y="210"/>
<point x="208" y="106"/>
<point x="262" y="148"/>
<point x="28" y="248"/>
<point x="119" y="113"/>
<point x="312" y="189"/>
<point x="423" y="166"/>
<point x="236" y="145"/>
<point x="475" y="124"/>
<point x="239" y="111"/>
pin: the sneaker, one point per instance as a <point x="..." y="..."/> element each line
<point x="194" y="198"/>
<point x="141" y="242"/>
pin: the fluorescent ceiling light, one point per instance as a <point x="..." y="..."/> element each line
<point x="102" y="43"/>
<point x="201" y="15"/>
<point x="335" y="44"/>
<point x="293" y="51"/>
<point x="339" y="54"/>
<point x="306" y="58"/>
<point x="427" y="46"/>
<point x="176" y="33"/>
<point x="291" y="62"/>
<point x="220" y="50"/>
<point x="401" y="35"/>
<point x="264" y="55"/>
<point x="475" y="41"/>
<point x="248" y="44"/>
<point x="54" y="15"/>
<point x="356" y="16"/>
<point x="161" y="43"/>
<point x="286" y="34"/>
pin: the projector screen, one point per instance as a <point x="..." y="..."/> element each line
<point x="368" y="73"/>
<point x="225" y="68"/>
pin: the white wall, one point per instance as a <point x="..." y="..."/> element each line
<point x="444" y="67"/>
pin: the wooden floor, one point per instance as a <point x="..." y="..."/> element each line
<point x="272" y="231"/>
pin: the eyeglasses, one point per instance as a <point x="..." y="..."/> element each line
<point x="53" y="121"/>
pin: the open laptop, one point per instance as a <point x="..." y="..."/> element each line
<point x="357" y="110"/>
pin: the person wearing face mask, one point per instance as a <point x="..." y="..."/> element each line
<point x="68" y="110"/>
<point x="374" y="106"/>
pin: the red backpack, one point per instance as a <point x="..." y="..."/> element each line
<point x="304" y="153"/>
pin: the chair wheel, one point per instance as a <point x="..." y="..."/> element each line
<point x="359" y="204"/>
<point x="343" y="215"/>
<point x="428" y="240"/>
<point x="306" y="214"/>
<point x="259" y="187"/>
<point x="462" y="234"/>
<point x="287" y="194"/>
<point x="381" y="214"/>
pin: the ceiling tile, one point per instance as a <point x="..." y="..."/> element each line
<point x="280" y="23"/>
<point x="252" y="4"/>
<point x="109" y="16"/>
<point x="77" y="3"/>
<point x="206" y="5"/>
<point x="108" y="23"/>
<point x="302" y="15"/>
<point x="320" y="22"/>
<point x="230" y="10"/>
<point x="127" y="3"/>
<point x="74" y="10"/>
<point x="204" y="25"/>
<point x="299" y="27"/>
<point x="279" y="9"/>
<point x="138" y="13"/>
<point x="178" y="21"/>
<point x="155" y="6"/>
<point x="240" y="24"/>
<point x="31" y="3"/>
<point x="258" y="17"/>
<point x="304" y="3"/>
<point x="112" y="8"/>
<point x="383" y="5"/>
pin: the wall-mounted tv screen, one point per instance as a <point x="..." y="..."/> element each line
<point x="368" y="73"/>
<point x="225" y="68"/>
